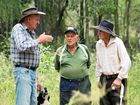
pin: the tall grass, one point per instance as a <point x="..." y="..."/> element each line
<point x="50" y="78"/>
<point x="134" y="82"/>
<point x="7" y="85"/>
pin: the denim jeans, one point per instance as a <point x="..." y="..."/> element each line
<point x="26" y="86"/>
<point x="67" y="87"/>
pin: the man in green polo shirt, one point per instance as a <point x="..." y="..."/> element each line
<point x="72" y="61"/>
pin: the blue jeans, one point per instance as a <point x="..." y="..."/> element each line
<point x="26" y="86"/>
<point x="66" y="88"/>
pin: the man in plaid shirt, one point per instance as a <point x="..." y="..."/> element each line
<point x="25" y="55"/>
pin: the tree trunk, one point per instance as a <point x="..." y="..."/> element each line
<point x="137" y="38"/>
<point x="81" y="22"/>
<point x="38" y="6"/>
<point x="0" y="27"/>
<point x="128" y="4"/>
<point x="127" y="19"/>
<point x="61" y="14"/>
<point x="116" y="17"/>
<point x="87" y="24"/>
<point x="95" y="18"/>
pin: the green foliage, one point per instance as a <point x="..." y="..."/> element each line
<point x="52" y="8"/>
<point x="50" y="78"/>
<point x="79" y="99"/>
<point x="73" y="4"/>
<point x="5" y="47"/>
<point x="105" y="7"/>
<point x="10" y="9"/>
<point x="135" y="14"/>
<point x="47" y="75"/>
<point x="10" y="12"/>
<point x="134" y="82"/>
<point x="7" y="86"/>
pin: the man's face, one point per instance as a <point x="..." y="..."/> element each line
<point x="71" y="38"/>
<point x="33" y="21"/>
<point x="103" y="35"/>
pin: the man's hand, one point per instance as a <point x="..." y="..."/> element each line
<point x="116" y="84"/>
<point x="39" y="87"/>
<point x="44" y="38"/>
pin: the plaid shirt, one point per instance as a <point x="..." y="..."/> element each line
<point x="24" y="47"/>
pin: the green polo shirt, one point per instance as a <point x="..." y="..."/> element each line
<point x="72" y="66"/>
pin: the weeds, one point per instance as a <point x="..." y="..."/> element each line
<point x="50" y="78"/>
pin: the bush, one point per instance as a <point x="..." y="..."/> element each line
<point x="50" y="78"/>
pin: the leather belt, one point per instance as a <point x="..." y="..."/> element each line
<point x="75" y="80"/>
<point x="109" y="76"/>
<point x="28" y="67"/>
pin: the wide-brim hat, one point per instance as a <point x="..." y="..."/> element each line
<point x="71" y="29"/>
<point x="106" y="26"/>
<point x="30" y="11"/>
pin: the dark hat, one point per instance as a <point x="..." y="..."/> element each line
<point x="30" y="11"/>
<point x="106" y="26"/>
<point x="71" y="29"/>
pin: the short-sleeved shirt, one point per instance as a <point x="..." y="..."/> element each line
<point x="24" y="47"/>
<point x="73" y="66"/>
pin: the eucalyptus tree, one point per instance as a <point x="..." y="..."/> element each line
<point x="104" y="9"/>
<point x="135" y="23"/>
<point x="127" y="19"/>
<point x="116" y="16"/>
<point x="84" y="17"/>
<point x="54" y="19"/>
<point x="10" y="12"/>
<point x="81" y="21"/>
<point x="87" y="23"/>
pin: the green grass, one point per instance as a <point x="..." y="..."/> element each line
<point x="50" y="78"/>
<point x="134" y="82"/>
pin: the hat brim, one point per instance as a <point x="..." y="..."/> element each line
<point x="105" y="30"/>
<point x="36" y="13"/>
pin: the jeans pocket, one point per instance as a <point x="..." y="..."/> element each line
<point x="21" y="73"/>
<point x="16" y="75"/>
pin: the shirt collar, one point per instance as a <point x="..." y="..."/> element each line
<point x="112" y="40"/>
<point x="26" y="28"/>
<point x="67" y="46"/>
